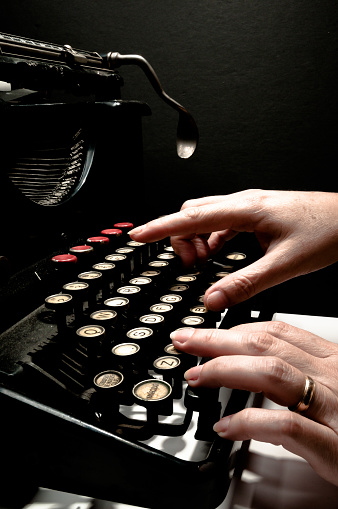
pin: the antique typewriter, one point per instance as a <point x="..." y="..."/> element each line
<point x="92" y="395"/>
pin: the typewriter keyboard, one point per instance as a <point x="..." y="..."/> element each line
<point x="98" y="351"/>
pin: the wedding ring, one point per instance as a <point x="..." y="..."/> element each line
<point x="304" y="402"/>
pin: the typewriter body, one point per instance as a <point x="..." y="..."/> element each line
<point x="92" y="397"/>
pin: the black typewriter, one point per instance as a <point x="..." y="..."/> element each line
<point x="92" y="395"/>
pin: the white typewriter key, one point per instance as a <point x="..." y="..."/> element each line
<point x="193" y="321"/>
<point x="109" y="386"/>
<point x="162" y="307"/>
<point x="171" y="299"/>
<point x="108" y="380"/>
<point x="153" y="321"/>
<point x="58" y="301"/>
<point x="106" y="317"/>
<point x="62" y="305"/>
<point x="118" y="303"/>
<point x="151" y="391"/>
<point x="156" y="397"/>
<point x="169" y="366"/>
<point x="236" y="256"/>
<point x="91" y="336"/>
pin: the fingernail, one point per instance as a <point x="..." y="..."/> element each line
<point x="221" y="427"/>
<point x="182" y="335"/>
<point x="193" y="374"/>
<point x="136" y="231"/>
<point x="216" y="301"/>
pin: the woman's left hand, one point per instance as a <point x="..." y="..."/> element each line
<point x="273" y="358"/>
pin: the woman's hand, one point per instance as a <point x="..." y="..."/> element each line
<point x="273" y="358"/>
<point x="298" y="232"/>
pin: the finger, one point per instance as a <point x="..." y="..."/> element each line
<point x="312" y="441"/>
<point x="191" y="251"/>
<point x="241" y="341"/>
<point x="233" y="213"/>
<point x="279" y="381"/>
<point x="270" y="270"/>
<point x="304" y="340"/>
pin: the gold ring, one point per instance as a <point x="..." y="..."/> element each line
<point x="307" y="397"/>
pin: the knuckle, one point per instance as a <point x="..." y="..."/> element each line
<point x="275" y="369"/>
<point x="191" y="213"/>
<point x="243" y="285"/>
<point x="258" y="343"/>
<point x="278" y="329"/>
<point x="291" y="426"/>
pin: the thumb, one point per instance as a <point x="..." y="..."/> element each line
<point x="272" y="269"/>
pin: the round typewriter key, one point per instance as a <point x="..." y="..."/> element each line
<point x="108" y="380"/>
<point x="187" y="360"/>
<point x="94" y="280"/>
<point x="166" y="363"/>
<point x="171" y="298"/>
<point x="59" y="300"/>
<point x="162" y="307"/>
<point x="91" y="275"/>
<point x="134" y="295"/>
<point x="238" y="260"/>
<point x="169" y="367"/>
<point x="126" y="349"/>
<point x="98" y="241"/>
<point x="141" y="280"/>
<point x="62" y="304"/>
<point x="64" y="259"/>
<point x="105" y="316"/>
<point x="193" y="321"/>
<point x="114" y="235"/>
<point x="91" y="337"/>
<point x="79" y="291"/>
<point x="129" y="254"/>
<point x="81" y="250"/>
<point x="151" y="391"/>
<point x="179" y="288"/>
<point x="143" y="336"/>
<point x="124" y="226"/>
<point x="108" y="271"/>
<point x="166" y="256"/>
<point x="159" y="263"/>
<point x="188" y="278"/>
<point x="156" y="396"/>
<point x="83" y="253"/>
<point x="236" y="256"/>
<point x="121" y="262"/>
<point x="153" y="321"/>
<point x="121" y="306"/>
<point x="76" y="288"/>
<point x="91" y="331"/>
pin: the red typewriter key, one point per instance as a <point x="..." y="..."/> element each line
<point x="100" y="245"/>
<point x="81" y="250"/>
<point x="124" y="227"/>
<point x="65" y="265"/>
<point x="83" y="253"/>
<point x="64" y="259"/>
<point x="114" y="235"/>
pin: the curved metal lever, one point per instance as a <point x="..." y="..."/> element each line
<point x="187" y="131"/>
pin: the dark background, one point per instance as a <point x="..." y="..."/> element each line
<point x="259" y="77"/>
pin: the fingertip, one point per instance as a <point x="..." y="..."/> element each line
<point x="216" y="301"/>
